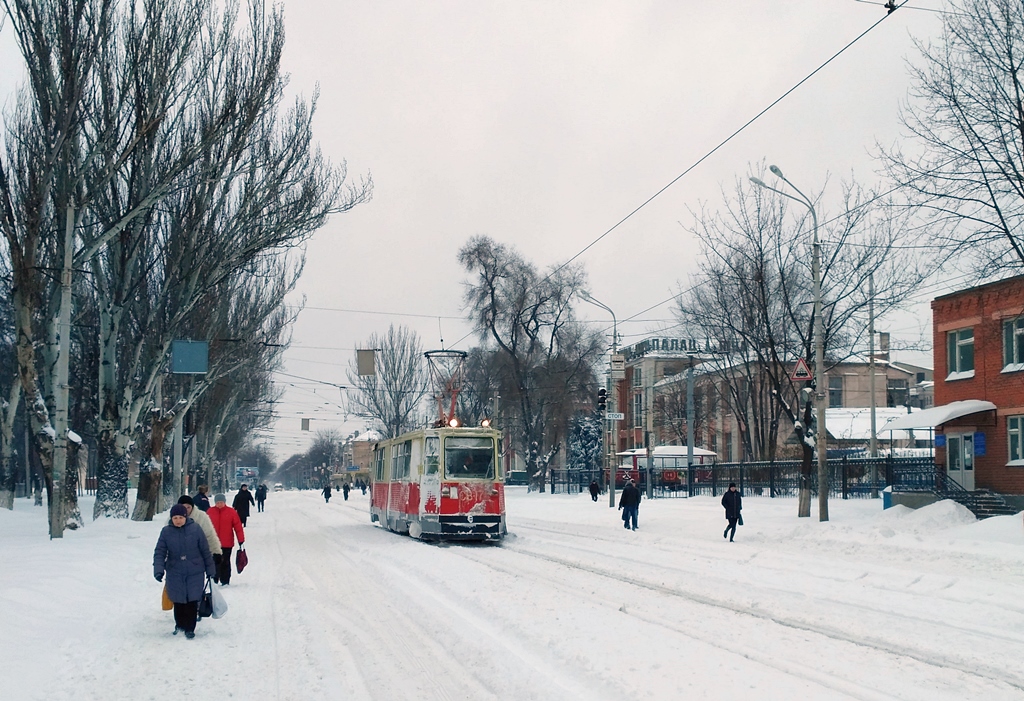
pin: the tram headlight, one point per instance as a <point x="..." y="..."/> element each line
<point x="486" y="423"/>
<point x="454" y="423"/>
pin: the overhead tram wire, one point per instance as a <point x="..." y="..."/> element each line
<point x="703" y="158"/>
<point x="725" y="141"/>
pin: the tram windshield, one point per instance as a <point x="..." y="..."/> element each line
<point x="470" y="457"/>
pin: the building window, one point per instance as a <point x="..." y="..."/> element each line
<point x="1015" y="433"/>
<point x="638" y="409"/>
<point x="1013" y="344"/>
<point x="638" y="376"/>
<point x="897" y="393"/>
<point x="960" y="354"/>
<point x="835" y="392"/>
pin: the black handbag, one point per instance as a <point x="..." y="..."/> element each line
<point x="205" y="609"/>
<point x="739" y="521"/>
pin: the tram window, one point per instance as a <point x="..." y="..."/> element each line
<point x="380" y="464"/>
<point x="400" y="455"/>
<point x="432" y="459"/>
<point x="469" y="457"/>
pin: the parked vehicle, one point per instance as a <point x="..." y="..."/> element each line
<point x="278" y="487"/>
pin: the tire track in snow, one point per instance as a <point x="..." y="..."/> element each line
<point x="981" y="671"/>
<point x="777" y="591"/>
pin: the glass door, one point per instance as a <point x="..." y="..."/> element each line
<point x="960" y="459"/>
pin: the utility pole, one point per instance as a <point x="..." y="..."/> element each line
<point x="873" y="445"/>
<point x="689" y="428"/>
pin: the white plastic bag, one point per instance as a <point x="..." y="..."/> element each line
<point x="220" y="606"/>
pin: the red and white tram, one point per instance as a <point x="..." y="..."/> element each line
<point x="440" y="483"/>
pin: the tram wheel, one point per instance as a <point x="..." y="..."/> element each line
<point x="415" y="530"/>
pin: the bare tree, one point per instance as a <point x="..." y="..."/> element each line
<point x="548" y="357"/>
<point x="393" y="396"/>
<point x="965" y="164"/>
<point x="751" y="299"/>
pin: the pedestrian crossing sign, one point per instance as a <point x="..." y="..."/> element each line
<point x="801" y="373"/>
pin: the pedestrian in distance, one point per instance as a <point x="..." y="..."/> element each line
<point x="326" y="491"/>
<point x="362" y="486"/>
<point x="228" y="525"/>
<point x="733" y="503"/>
<point x="594" y="490"/>
<point x="629" y="502"/>
<point x="345" y="490"/>
<point x="241" y="503"/>
<point x="200" y="499"/>
<point x="261" y="496"/>
<point x="204" y="522"/>
<point x="183" y="555"/>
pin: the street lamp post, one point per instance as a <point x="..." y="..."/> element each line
<point x="611" y="388"/>
<point x="819" y="340"/>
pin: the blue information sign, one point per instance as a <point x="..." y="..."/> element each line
<point x="940" y="440"/>
<point x="979" y="443"/>
<point x="190" y="357"/>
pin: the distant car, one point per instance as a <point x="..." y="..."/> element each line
<point x="278" y="487"/>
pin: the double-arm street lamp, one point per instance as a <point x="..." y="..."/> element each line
<point x="606" y="429"/>
<point x="819" y="340"/>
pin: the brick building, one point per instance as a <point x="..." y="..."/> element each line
<point x="979" y="366"/>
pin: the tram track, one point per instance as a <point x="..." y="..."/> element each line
<point x="530" y="540"/>
<point x="980" y="671"/>
<point x="776" y="590"/>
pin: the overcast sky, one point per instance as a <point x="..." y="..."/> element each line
<point x="542" y="124"/>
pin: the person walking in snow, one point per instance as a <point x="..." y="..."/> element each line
<point x="629" y="502"/>
<point x="362" y="486"/>
<point x="241" y="503"/>
<point x="200" y="500"/>
<point x="594" y="490"/>
<point x="227" y="524"/>
<point x="183" y="555"/>
<point x="326" y="491"/>
<point x="733" y="503"/>
<point x="345" y="490"/>
<point x="261" y="496"/>
<point x="204" y="522"/>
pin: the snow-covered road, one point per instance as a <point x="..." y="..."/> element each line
<point x="873" y="605"/>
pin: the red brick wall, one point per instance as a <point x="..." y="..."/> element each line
<point x="984" y="309"/>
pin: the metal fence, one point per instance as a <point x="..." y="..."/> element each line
<point x="849" y="478"/>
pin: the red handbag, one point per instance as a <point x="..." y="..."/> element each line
<point x="241" y="559"/>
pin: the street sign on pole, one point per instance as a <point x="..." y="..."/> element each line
<point x="618" y="367"/>
<point x="615" y="416"/>
<point x="801" y="373"/>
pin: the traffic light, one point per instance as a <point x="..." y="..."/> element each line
<point x="602" y="399"/>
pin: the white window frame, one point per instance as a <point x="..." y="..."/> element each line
<point x="1013" y="344"/>
<point x="1015" y="434"/>
<point x="955" y="341"/>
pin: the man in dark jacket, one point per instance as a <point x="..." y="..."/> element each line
<point x="629" y="502"/>
<point x="326" y="491"/>
<point x="241" y="503"/>
<point x="201" y="500"/>
<point x="594" y="490"/>
<point x="261" y="496"/>
<point x="183" y="554"/>
<point x="733" y="503"/>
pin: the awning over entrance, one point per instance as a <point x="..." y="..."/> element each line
<point x="937" y="415"/>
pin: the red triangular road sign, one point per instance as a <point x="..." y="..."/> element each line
<point x="801" y="373"/>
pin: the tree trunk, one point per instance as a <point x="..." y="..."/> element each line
<point x="8" y="456"/>
<point x="804" y="508"/>
<point x="72" y="514"/>
<point x="111" y="478"/>
<point x="151" y="472"/>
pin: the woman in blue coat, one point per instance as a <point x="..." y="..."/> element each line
<point x="183" y="553"/>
